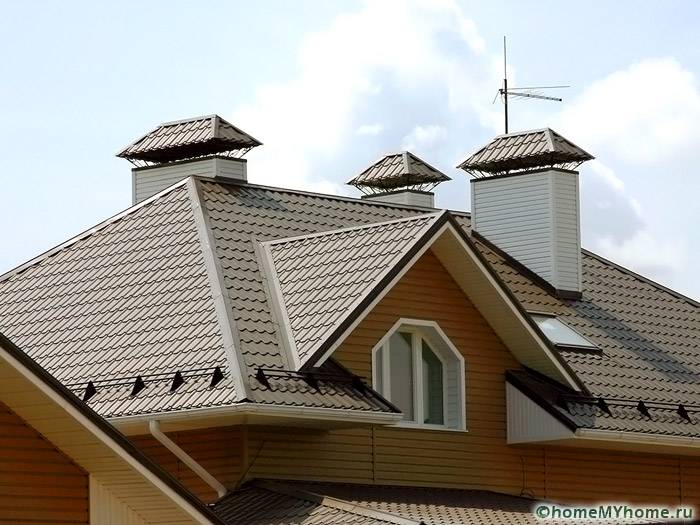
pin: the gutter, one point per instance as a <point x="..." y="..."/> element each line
<point x="339" y="415"/>
<point x="154" y="428"/>
<point x="635" y="437"/>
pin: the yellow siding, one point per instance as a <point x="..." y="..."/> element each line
<point x="478" y="458"/>
<point x="38" y="484"/>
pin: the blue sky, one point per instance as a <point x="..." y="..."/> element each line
<point x="331" y="86"/>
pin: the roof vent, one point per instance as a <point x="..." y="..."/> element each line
<point x="208" y="146"/>
<point x="525" y="199"/>
<point x="400" y="178"/>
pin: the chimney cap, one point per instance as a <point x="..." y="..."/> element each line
<point x="525" y="150"/>
<point x="398" y="170"/>
<point x="187" y="139"/>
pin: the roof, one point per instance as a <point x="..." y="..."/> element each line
<point x="184" y="139"/>
<point x="399" y="170"/>
<point x="74" y="309"/>
<point x="63" y="414"/>
<point x="302" y="503"/>
<point x="525" y="150"/>
<point x="322" y="278"/>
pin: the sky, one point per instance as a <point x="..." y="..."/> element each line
<point x="329" y="87"/>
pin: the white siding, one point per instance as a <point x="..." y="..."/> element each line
<point x="528" y="422"/>
<point x="154" y="179"/>
<point x="534" y="217"/>
<point x="106" y="509"/>
<point x="424" y="199"/>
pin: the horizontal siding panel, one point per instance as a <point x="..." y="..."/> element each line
<point x="38" y="484"/>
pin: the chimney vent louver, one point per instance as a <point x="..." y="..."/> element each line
<point x="400" y="178"/>
<point x="525" y="200"/>
<point x="208" y="146"/>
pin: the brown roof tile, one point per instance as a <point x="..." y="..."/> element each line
<point x="323" y="277"/>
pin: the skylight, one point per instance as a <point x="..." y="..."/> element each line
<point x="559" y="333"/>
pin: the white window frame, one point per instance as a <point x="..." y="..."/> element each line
<point x="417" y="329"/>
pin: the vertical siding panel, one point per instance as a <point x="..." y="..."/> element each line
<point x="38" y="484"/>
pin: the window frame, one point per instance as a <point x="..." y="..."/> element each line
<point x="419" y="332"/>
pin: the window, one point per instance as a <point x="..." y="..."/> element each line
<point x="559" y="333"/>
<point x="422" y="373"/>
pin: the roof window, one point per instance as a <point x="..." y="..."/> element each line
<point x="560" y="334"/>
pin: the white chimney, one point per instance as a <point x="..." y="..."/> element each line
<point x="525" y="200"/>
<point x="205" y="146"/>
<point x="400" y="178"/>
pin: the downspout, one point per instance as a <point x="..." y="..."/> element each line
<point x="154" y="428"/>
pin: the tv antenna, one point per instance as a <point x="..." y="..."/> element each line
<point x="520" y="92"/>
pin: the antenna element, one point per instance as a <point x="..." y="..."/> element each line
<point x="523" y="92"/>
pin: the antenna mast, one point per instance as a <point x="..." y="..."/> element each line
<point x="523" y="92"/>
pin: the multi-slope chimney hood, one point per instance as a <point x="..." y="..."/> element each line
<point x="525" y="200"/>
<point x="208" y="146"/>
<point x="400" y="178"/>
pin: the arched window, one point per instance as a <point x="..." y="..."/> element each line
<point x="420" y="371"/>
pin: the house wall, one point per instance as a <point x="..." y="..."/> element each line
<point x="479" y="458"/>
<point x="38" y="484"/>
<point x="219" y="450"/>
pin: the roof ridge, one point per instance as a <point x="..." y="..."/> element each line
<point x="90" y="231"/>
<point x="326" y="196"/>
<point x="353" y="228"/>
<point x="220" y="297"/>
<point x="333" y="502"/>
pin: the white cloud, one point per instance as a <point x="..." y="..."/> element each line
<point x="342" y="75"/>
<point x="422" y="137"/>
<point x="648" y="112"/>
<point x="369" y="129"/>
<point x="641" y="119"/>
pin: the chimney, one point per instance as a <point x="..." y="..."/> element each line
<point x="207" y="146"/>
<point x="525" y="200"/>
<point x="401" y="178"/>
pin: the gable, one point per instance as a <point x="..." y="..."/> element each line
<point x="38" y="483"/>
<point x="92" y="443"/>
<point x="428" y="292"/>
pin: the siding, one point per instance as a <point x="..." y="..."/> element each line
<point x="106" y="509"/>
<point x="535" y="218"/>
<point x="149" y="181"/>
<point x="479" y="458"/>
<point x="38" y="484"/>
<point x="219" y="450"/>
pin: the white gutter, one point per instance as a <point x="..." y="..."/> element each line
<point x="636" y="437"/>
<point x="340" y="415"/>
<point x="154" y="428"/>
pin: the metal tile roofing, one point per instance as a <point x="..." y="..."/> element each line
<point x="189" y="138"/>
<point x="132" y="298"/>
<point x="303" y="503"/>
<point x="324" y="277"/>
<point x="278" y="504"/>
<point x="524" y="150"/>
<point x="397" y="171"/>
